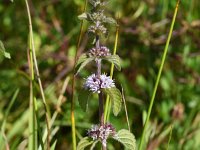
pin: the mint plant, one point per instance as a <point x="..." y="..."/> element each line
<point x="99" y="83"/>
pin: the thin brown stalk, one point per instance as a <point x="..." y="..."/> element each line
<point x="124" y="101"/>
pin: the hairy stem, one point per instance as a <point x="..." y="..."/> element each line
<point x="101" y="103"/>
<point x="101" y="113"/>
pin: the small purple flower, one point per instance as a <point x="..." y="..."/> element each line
<point x="94" y="84"/>
<point x="106" y="82"/>
<point x="102" y="132"/>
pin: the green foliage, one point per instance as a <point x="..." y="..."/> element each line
<point x="3" y="137"/>
<point x="93" y="145"/>
<point x="83" y="61"/>
<point x="127" y="139"/>
<point x="83" y="143"/>
<point x="116" y="99"/>
<point x="143" y="29"/>
<point x="83" y="98"/>
<point x="3" y="51"/>
<point x="97" y="18"/>
<point x="115" y="59"/>
<point x="53" y="145"/>
<point x="97" y="3"/>
<point x="83" y="16"/>
<point x="110" y="20"/>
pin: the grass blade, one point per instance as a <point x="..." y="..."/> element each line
<point x="170" y="136"/>
<point x="3" y="136"/>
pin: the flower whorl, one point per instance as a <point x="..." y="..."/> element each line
<point x="102" y="132"/>
<point x="100" y="52"/>
<point x="94" y="84"/>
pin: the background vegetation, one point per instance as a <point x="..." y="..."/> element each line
<point x="144" y="26"/>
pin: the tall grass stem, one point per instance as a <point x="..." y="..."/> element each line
<point x="108" y="102"/>
<point x="38" y="75"/>
<point x="31" y="141"/>
<point x="159" y="75"/>
<point x="73" y="127"/>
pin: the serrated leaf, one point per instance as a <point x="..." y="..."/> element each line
<point x="83" y="143"/>
<point x="115" y="59"/>
<point x="3" y="50"/>
<point x="83" y="98"/>
<point x="82" y="16"/>
<point x="116" y="97"/>
<point x="127" y="139"/>
<point x="84" y="63"/>
<point x="110" y="20"/>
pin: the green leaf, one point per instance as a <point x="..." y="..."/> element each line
<point x="83" y="16"/>
<point x="110" y="20"/>
<point x="115" y="59"/>
<point x="84" y="63"/>
<point x="116" y="98"/>
<point x="83" y="97"/>
<point x="93" y="145"/>
<point x="7" y="55"/>
<point x="3" y="50"/>
<point x="127" y="139"/>
<point x="54" y="145"/>
<point x="83" y="143"/>
<point x="81" y="59"/>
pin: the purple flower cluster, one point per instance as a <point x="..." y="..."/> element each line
<point x="100" y="52"/>
<point x="94" y="83"/>
<point x="102" y="132"/>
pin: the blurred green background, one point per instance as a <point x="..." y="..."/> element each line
<point x="144" y="26"/>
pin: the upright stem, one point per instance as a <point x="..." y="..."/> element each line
<point x="101" y="114"/>
<point x="101" y="103"/>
